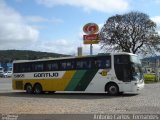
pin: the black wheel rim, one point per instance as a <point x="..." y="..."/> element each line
<point x="113" y="90"/>
<point x="29" y="89"/>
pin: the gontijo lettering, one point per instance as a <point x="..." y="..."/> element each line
<point x="46" y="75"/>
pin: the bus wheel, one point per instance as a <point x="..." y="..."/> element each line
<point x="37" y="89"/>
<point x="29" y="89"/>
<point x="112" y="89"/>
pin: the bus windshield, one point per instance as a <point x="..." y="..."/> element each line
<point x="137" y="72"/>
<point x="135" y="59"/>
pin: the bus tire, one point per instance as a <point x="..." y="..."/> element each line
<point x="112" y="89"/>
<point x="38" y="89"/>
<point x="29" y="88"/>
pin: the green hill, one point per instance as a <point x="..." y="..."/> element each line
<point x="10" y="55"/>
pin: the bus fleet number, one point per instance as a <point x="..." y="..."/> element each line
<point x="19" y="76"/>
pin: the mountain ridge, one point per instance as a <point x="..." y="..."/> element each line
<point x="8" y="56"/>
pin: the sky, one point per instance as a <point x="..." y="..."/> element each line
<point x="57" y="25"/>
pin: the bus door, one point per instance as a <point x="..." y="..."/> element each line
<point x="123" y="71"/>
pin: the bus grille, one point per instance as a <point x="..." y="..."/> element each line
<point x="19" y="85"/>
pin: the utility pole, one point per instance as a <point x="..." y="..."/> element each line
<point x="157" y="69"/>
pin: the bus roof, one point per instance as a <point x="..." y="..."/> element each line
<point x="65" y="58"/>
<point x="123" y="53"/>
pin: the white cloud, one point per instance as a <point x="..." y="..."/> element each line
<point x="36" y="19"/>
<point x="36" y="22"/>
<point x="63" y="46"/>
<point x="57" y="46"/>
<point x="89" y="5"/>
<point x="96" y="48"/>
<point x="39" y="19"/>
<point x="156" y="19"/>
<point x="14" y="32"/>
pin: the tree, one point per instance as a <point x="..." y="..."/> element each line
<point x="133" y="32"/>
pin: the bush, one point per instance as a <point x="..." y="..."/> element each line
<point x="149" y="78"/>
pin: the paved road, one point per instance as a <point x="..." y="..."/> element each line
<point x="16" y="102"/>
<point x="5" y="85"/>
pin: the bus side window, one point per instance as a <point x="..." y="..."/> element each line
<point x="108" y="63"/>
<point x="89" y="64"/>
<point x="63" y="65"/>
<point x="38" y="67"/>
<point x="28" y="67"/>
<point x="22" y="67"/>
<point x="55" y="66"/>
<point x="67" y="65"/>
<point x="78" y="64"/>
<point x="102" y="63"/>
<point x="70" y="65"/>
<point x="48" y="67"/>
<point x="97" y="63"/>
<point x="15" y="68"/>
<point x="52" y="66"/>
<point x="82" y="64"/>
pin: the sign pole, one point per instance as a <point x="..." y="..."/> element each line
<point x="91" y="49"/>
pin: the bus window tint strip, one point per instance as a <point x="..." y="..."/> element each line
<point x="62" y="65"/>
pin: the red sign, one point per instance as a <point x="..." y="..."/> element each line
<point x="90" y="41"/>
<point x="90" y="37"/>
<point x="90" y="28"/>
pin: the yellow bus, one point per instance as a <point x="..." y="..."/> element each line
<point x="111" y="73"/>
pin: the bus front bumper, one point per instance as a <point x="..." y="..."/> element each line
<point x="138" y="87"/>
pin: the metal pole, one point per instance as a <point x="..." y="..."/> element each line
<point x="157" y="69"/>
<point x="91" y="49"/>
